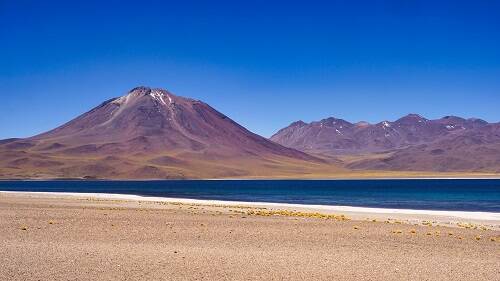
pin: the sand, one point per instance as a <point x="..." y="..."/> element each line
<point x="62" y="237"/>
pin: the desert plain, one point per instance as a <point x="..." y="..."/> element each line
<point x="57" y="237"/>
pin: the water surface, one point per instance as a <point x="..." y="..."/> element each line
<point x="431" y="194"/>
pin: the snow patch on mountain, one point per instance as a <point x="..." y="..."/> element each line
<point x="158" y="96"/>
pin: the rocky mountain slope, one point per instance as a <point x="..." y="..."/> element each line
<point x="148" y="133"/>
<point x="411" y="143"/>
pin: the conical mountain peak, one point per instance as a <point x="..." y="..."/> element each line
<point x="151" y="97"/>
<point x="151" y="122"/>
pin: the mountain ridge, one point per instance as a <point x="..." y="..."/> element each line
<point x="410" y="143"/>
<point x="342" y="127"/>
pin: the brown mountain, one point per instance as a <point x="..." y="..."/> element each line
<point x="149" y="133"/>
<point x="154" y="134"/>
<point x="411" y="143"/>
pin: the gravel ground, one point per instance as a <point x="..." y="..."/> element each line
<point x="74" y="239"/>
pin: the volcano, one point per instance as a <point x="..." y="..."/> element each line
<point x="149" y="133"/>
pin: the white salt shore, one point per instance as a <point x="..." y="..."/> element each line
<point x="491" y="218"/>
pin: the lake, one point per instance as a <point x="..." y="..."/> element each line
<point x="423" y="194"/>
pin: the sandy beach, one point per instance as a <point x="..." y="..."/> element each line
<point x="102" y="237"/>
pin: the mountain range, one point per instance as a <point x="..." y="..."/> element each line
<point x="153" y="134"/>
<point x="411" y="143"/>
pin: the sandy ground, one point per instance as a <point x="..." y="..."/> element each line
<point x="84" y="238"/>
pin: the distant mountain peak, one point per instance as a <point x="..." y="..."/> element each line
<point x="140" y="88"/>
<point x="334" y="122"/>
<point x="158" y="95"/>
<point x="299" y="123"/>
<point x="452" y="120"/>
<point x="415" y="115"/>
<point x="334" y="119"/>
<point x="412" y="118"/>
<point x="477" y="120"/>
<point x="144" y="90"/>
<point x="451" y="117"/>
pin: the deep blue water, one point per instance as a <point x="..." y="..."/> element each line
<point x="464" y="195"/>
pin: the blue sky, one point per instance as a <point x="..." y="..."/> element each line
<point x="263" y="63"/>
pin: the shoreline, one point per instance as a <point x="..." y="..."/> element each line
<point x="60" y="236"/>
<point x="492" y="177"/>
<point x="357" y="213"/>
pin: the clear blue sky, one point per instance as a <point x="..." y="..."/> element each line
<point x="263" y="64"/>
